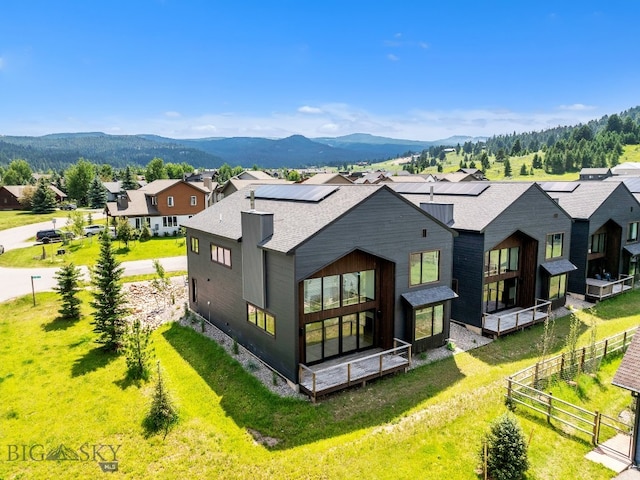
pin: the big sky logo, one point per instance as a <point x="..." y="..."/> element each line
<point x="104" y="454"/>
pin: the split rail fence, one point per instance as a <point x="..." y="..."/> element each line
<point x="524" y="388"/>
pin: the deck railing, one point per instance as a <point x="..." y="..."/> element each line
<point x="600" y="290"/>
<point x="358" y="370"/>
<point x="502" y="323"/>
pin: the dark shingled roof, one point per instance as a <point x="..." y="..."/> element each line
<point x="633" y="249"/>
<point x="427" y="296"/>
<point x="586" y="199"/>
<point x="557" y="267"/>
<point x="628" y="374"/>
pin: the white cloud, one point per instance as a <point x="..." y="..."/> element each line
<point x="172" y="114"/>
<point x="392" y="57"/>
<point x="577" y="107"/>
<point x="308" y="109"/>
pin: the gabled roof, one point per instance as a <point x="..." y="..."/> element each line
<point x="326" y="178"/>
<point x="240" y="184"/>
<point x="585" y="199"/>
<point x="405" y="178"/>
<point x="17" y="190"/>
<point x="628" y="374"/>
<point x="294" y="221"/>
<point x="253" y="175"/>
<point x="595" y="171"/>
<point x="474" y="212"/>
<point x="113" y="187"/>
<point x="138" y="205"/>
<point x="158" y="186"/>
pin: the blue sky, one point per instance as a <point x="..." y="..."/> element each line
<point x="421" y="70"/>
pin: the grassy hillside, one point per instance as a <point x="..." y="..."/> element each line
<point x="58" y="388"/>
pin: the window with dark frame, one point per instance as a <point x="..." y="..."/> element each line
<point x="424" y="267"/>
<point x="429" y="321"/>
<point x="554" y="245"/>
<point x="333" y="291"/>
<point x="632" y="232"/>
<point x="261" y="319"/>
<point x="195" y="245"/>
<point x="598" y="242"/>
<point x="221" y="255"/>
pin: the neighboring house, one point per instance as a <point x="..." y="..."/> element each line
<point x="327" y="179"/>
<point x="162" y="205"/>
<point x="306" y="274"/>
<point x="457" y="177"/>
<point x="371" y="178"/>
<point x="627" y="168"/>
<point x="477" y="174"/>
<point x="512" y="247"/>
<point x="253" y="175"/>
<point x="407" y="178"/>
<point x="605" y="237"/>
<point x="10" y="195"/>
<point x="595" y="173"/>
<point x="114" y="189"/>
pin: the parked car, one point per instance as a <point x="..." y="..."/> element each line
<point x="90" y="230"/>
<point x="68" y="206"/>
<point x="52" y="235"/>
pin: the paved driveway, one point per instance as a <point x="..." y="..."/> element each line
<point x="15" y="282"/>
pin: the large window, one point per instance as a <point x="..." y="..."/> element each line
<point x="338" y="335"/>
<point x="429" y="321"/>
<point x="195" y="245"/>
<point x="424" y="267"/>
<point x="501" y="260"/>
<point x="557" y="286"/>
<point x="632" y="232"/>
<point x="554" y="245"/>
<point x="597" y="242"/>
<point x="221" y="255"/>
<point x="335" y="291"/>
<point x="261" y="319"/>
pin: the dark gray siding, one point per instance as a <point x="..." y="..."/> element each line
<point x="579" y="251"/>
<point x="256" y="227"/>
<point x="386" y="226"/>
<point x="536" y="215"/>
<point x="468" y="270"/>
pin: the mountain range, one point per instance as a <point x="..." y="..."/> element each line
<point x="57" y="151"/>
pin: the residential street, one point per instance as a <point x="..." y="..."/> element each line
<point x="15" y="282"/>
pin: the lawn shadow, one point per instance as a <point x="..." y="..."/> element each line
<point x="526" y="344"/>
<point x="93" y="360"/>
<point x="59" y="323"/>
<point x="294" y="422"/>
<point x="128" y="381"/>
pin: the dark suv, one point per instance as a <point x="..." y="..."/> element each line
<point x="48" y="236"/>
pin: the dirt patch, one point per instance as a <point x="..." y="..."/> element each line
<point x="263" y="439"/>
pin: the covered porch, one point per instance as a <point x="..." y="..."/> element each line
<point x="599" y="289"/>
<point x="356" y="369"/>
<point x="501" y="323"/>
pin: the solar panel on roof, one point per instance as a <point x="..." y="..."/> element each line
<point x="472" y="189"/>
<point x="567" y="187"/>
<point x="296" y="193"/>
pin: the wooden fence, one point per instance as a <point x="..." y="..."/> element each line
<point x="524" y="389"/>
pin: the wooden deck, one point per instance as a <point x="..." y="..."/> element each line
<point x="600" y="289"/>
<point x="357" y="369"/>
<point x="515" y="319"/>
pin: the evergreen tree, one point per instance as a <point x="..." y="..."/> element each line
<point x="162" y="414"/>
<point x="137" y="343"/>
<point x="507" y="167"/>
<point x="124" y="231"/>
<point x="44" y="200"/>
<point x="523" y="170"/>
<point x="129" y="180"/>
<point x="108" y="298"/>
<point x="68" y="279"/>
<point x="97" y="194"/>
<point x="506" y="450"/>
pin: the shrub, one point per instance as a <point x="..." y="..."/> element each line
<point x="162" y="414"/>
<point x="506" y="449"/>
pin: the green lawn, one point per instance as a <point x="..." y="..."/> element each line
<point x="18" y="218"/>
<point x="58" y="388"/>
<point x="84" y="251"/>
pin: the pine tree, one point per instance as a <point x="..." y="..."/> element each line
<point x="129" y="180"/>
<point x="523" y="170"/>
<point x="44" y="200"/>
<point x="97" y="194"/>
<point x="68" y="279"/>
<point x="507" y="167"/>
<point x="108" y="298"/>
<point x="162" y="414"/>
<point x="506" y="449"/>
<point x="137" y="344"/>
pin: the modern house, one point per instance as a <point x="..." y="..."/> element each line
<point x="605" y="239"/>
<point x="162" y="205"/>
<point x="595" y="173"/>
<point x="307" y="275"/>
<point x="511" y="255"/>
<point x="327" y="179"/>
<point x="10" y="195"/>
